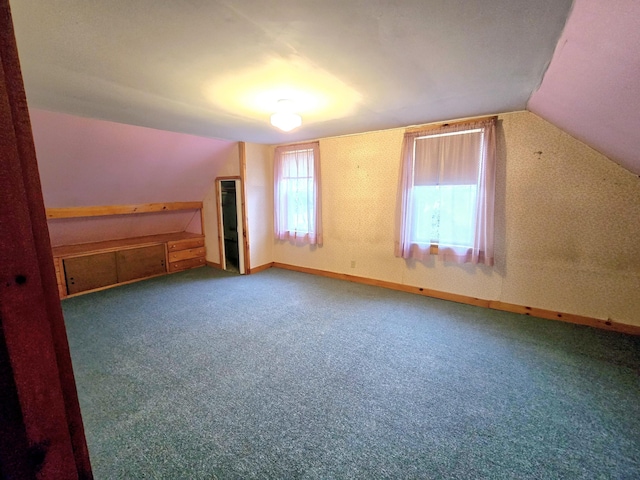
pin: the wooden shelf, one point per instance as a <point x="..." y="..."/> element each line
<point x="103" y="210"/>
<point x="87" y="267"/>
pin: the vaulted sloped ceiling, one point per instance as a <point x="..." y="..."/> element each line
<point x="216" y="68"/>
<point x="592" y="87"/>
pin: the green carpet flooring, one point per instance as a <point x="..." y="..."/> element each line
<point x="282" y="375"/>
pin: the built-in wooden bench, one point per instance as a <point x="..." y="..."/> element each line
<point x="89" y="267"/>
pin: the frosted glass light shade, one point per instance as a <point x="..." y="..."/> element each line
<point x="286" y="121"/>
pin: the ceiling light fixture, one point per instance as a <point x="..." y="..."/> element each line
<point x="285" y="118"/>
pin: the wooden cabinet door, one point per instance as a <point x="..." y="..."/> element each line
<point x="141" y="262"/>
<point x="90" y="271"/>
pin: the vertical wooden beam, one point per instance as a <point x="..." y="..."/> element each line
<point x="245" y="220"/>
<point x="201" y="220"/>
<point x="40" y="409"/>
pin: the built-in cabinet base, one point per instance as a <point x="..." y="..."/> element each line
<point x="94" y="266"/>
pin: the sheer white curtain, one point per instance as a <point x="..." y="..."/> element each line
<point x="446" y="193"/>
<point x="297" y="211"/>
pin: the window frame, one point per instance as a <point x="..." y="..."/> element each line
<point x="283" y="180"/>
<point x="482" y="250"/>
<point x="434" y="246"/>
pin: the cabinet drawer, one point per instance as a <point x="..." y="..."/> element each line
<point x="185" y="244"/>
<point x="184" y="264"/>
<point x="186" y="254"/>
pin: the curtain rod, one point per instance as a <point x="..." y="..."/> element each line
<point x="433" y="126"/>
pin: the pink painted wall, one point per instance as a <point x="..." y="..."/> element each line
<point x="86" y="162"/>
<point x="592" y="87"/>
<point x="69" y="231"/>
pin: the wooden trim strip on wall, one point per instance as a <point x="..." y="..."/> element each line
<point x="202" y="221"/>
<point x="262" y="267"/>
<point x="98" y="211"/>
<point x="478" y="302"/>
<point x="245" y="222"/>
<point x="565" y="317"/>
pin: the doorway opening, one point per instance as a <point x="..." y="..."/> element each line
<point x="230" y="226"/>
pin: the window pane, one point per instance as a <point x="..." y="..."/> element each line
<point x="425" y="215"/>
<point x="457" y="215"/>
<point x="444" y="214"/>
<point x="298" y="211"/>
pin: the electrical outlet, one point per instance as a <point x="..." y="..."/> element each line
<point x="353" y="264"/>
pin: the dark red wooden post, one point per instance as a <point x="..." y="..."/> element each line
<point x="40" y="424"/>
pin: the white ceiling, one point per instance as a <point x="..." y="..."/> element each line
<point x="192" y="66"/>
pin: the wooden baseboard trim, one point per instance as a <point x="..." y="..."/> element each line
<point x="261" y="268"/>
<point x="214" y="265"/>
<point x="478" y="302"/>
<point x="565" y="317"/>
<point x="427" y="292"/>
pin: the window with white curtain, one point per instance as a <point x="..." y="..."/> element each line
<point x="447" y="193"/>
<point x="297" y="193"/>
<point x="444" y="201"/>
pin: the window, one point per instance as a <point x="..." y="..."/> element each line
<point x="447" y="193"/>
<point x="297" y="193"/>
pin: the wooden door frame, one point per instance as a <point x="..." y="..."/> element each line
<point x="42" y="431"/>
<point x="245" y="234"/>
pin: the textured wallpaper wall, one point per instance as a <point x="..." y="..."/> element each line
<point x="567" y="223"/>
<point x="259" y="184"/>
<point x="572" y="225"/>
